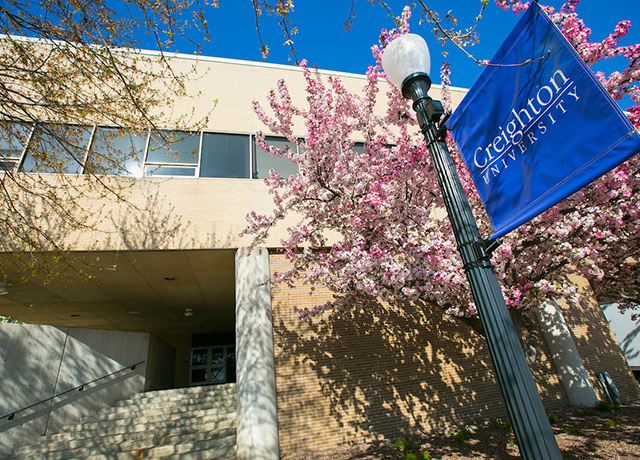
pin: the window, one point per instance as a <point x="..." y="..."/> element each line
<point x="57" y="149"/>
<point x="224" y="155"/>
<point x="359" y="147"/>
<point x="263" y="162"/>
<point x="13" y="140"/>
<point x="116" y="151"/>
<point x="215" y="364"/>
<point x="172" y="153"/>
<point x="71" y="149"/>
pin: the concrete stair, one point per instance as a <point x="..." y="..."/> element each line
<point x="197" y="423"/>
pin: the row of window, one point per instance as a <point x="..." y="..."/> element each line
<point x="49" y="148"/>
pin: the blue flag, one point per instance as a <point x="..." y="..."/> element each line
<point x="533" y="134"/>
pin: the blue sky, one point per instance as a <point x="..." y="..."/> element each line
<point x="324" y="42"/>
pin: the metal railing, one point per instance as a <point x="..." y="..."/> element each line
<point x="78" y="388"/>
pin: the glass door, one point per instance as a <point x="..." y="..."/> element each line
<point x="213" y="365"/>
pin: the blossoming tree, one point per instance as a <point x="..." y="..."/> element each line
<point x="381" y="205"/>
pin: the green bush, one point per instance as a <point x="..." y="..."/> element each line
<point x="461" y="435"/>
<point x="552" y="417"/>
<point x="502" y="424"/>
<point x="403" y="444"/>
<point x="606" y="406"/>
<point x="585" y="411"/>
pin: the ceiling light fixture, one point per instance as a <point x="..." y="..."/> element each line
<point x="4" y="287"/>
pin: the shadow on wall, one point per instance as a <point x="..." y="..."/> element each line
<point x="23" y="363"/>
<point x="130" y="218"/>
<point x="567" y="361"/>
<point x="35" y="237"/>
<point x="355" y="375"/>
<point x="629" y="344"/>
<point x="155" y="223"/>
<point x="626" y="328"/>
<point x="598" y="347"/>
<point x="257" y="412"/>
<point x="39" y="362"/>
<point x="144" y="218"/>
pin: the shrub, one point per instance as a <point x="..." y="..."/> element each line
<point x="461" y="435"/>
<point x="552" y="417"/>
<point x="606" y="406"/>
<point x="403" y="444"/>
<point x="502" y="424"/>
<point x="585" y="411"/>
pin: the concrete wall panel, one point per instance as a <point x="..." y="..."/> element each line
<point x="42" y="361"/>
<point x="160" y="365"/>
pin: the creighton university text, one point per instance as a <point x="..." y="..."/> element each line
<point x="526" y="125"/>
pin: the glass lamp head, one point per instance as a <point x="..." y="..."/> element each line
<point x="406" y="57"/>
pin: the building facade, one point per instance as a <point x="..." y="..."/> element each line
<point x="166" y="266"/>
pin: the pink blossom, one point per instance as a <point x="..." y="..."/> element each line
<point x="381" y="206"/>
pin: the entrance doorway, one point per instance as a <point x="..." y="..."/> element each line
<point x="213" y="365"/>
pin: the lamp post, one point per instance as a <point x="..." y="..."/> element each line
<point x="407" y="63"/>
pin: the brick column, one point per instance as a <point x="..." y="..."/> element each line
<point x="257" y="414"/>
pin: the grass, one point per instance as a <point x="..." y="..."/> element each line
<point x="574" y="430"/>
<point x="611" y="423"/>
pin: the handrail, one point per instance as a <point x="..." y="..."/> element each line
<point x="11" y="416"/>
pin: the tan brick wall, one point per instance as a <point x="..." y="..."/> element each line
<point x="162" y="213"/>
<point x="597" y="345"/>
<point x="361" y="376"/>
<point x="235" y="84"/>
<point x="181" y="213"/>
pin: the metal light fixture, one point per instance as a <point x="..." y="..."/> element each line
<point x="406" y="61"/>
<point x="4" y="287"/>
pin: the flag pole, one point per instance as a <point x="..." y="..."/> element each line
<point x="530" y="423"/>
<point x="407" y="63"/>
